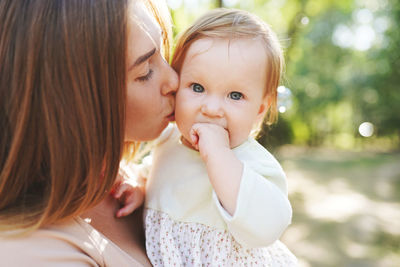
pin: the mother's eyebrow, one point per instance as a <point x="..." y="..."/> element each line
<point x="142" y="58"/>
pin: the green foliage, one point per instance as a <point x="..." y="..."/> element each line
<point x="342" y="66"/>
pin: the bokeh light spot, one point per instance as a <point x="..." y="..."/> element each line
<point x="366" y="129"/>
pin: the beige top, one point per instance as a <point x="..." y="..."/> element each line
<point x="74" y="244"/>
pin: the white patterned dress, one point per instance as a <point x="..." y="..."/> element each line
<point x="172" y="243"/>
<point x="187" y="226"/>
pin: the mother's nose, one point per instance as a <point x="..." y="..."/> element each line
<point x="171" y="80"/>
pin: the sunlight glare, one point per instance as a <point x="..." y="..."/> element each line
<point x="363" y="16"/>
<point x="284" y="99"/>
<point x="364" y="37"/>
<point x="230" y="3"/>
<point x="366" y="129"/>
<point x="305" y="20"/>
<point x="342" y="36"/>
<point x="174" y="4"/>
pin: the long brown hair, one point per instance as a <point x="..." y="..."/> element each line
<point x="62" y="107"/>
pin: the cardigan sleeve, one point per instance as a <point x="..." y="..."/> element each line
<point x="263" y="210"/>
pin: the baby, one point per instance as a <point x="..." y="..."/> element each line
<point x="214" y="196"/>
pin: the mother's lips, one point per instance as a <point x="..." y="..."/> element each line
<point x="171" y="117"/>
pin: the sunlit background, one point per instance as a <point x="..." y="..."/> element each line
<point x="338" y="134"/>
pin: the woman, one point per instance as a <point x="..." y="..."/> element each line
<point x="78" y="80"/>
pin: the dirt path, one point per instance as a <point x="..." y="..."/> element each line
<point x="346" y="207"/>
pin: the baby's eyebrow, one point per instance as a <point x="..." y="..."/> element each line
<point x="142" y="58"/>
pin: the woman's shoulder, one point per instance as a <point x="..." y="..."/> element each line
<point x="48" y="246"/>
<point x="75" y="243"/>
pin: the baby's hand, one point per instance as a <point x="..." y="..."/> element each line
<point x="129" y="194"/>
<point x="208" y="137"/>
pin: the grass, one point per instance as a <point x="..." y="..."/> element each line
<point x="346" y="207"/>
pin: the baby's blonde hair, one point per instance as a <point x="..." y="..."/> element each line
<point x="237" y="24"/>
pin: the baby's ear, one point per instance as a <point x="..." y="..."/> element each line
<point x="263" y="107"/>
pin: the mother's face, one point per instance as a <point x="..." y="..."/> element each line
<point x="151" y="81"/>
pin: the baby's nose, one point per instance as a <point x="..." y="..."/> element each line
<point x="212" y="108"/>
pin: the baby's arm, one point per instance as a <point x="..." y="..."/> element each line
<point x="253" y="203"/>
<point x="223" y="167"/>
<point x="263" y="211"/>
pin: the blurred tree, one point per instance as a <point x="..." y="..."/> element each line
<point x="342" y="67"/>
<point x="377" y="97"/>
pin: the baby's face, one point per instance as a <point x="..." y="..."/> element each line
<point x="222" y="82"/>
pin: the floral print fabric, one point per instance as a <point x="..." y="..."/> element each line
<point x="174" y="243"/>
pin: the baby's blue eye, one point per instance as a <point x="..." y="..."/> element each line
<point x="235" y="95"/>
<point x="197" y="88"/>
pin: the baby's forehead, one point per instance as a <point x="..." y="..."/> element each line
<point x="249" y="51"/>
<point x="198" y="47"/>
<point x="226" y="62"/>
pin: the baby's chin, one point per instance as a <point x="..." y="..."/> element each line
<point x="237" y="142"/>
